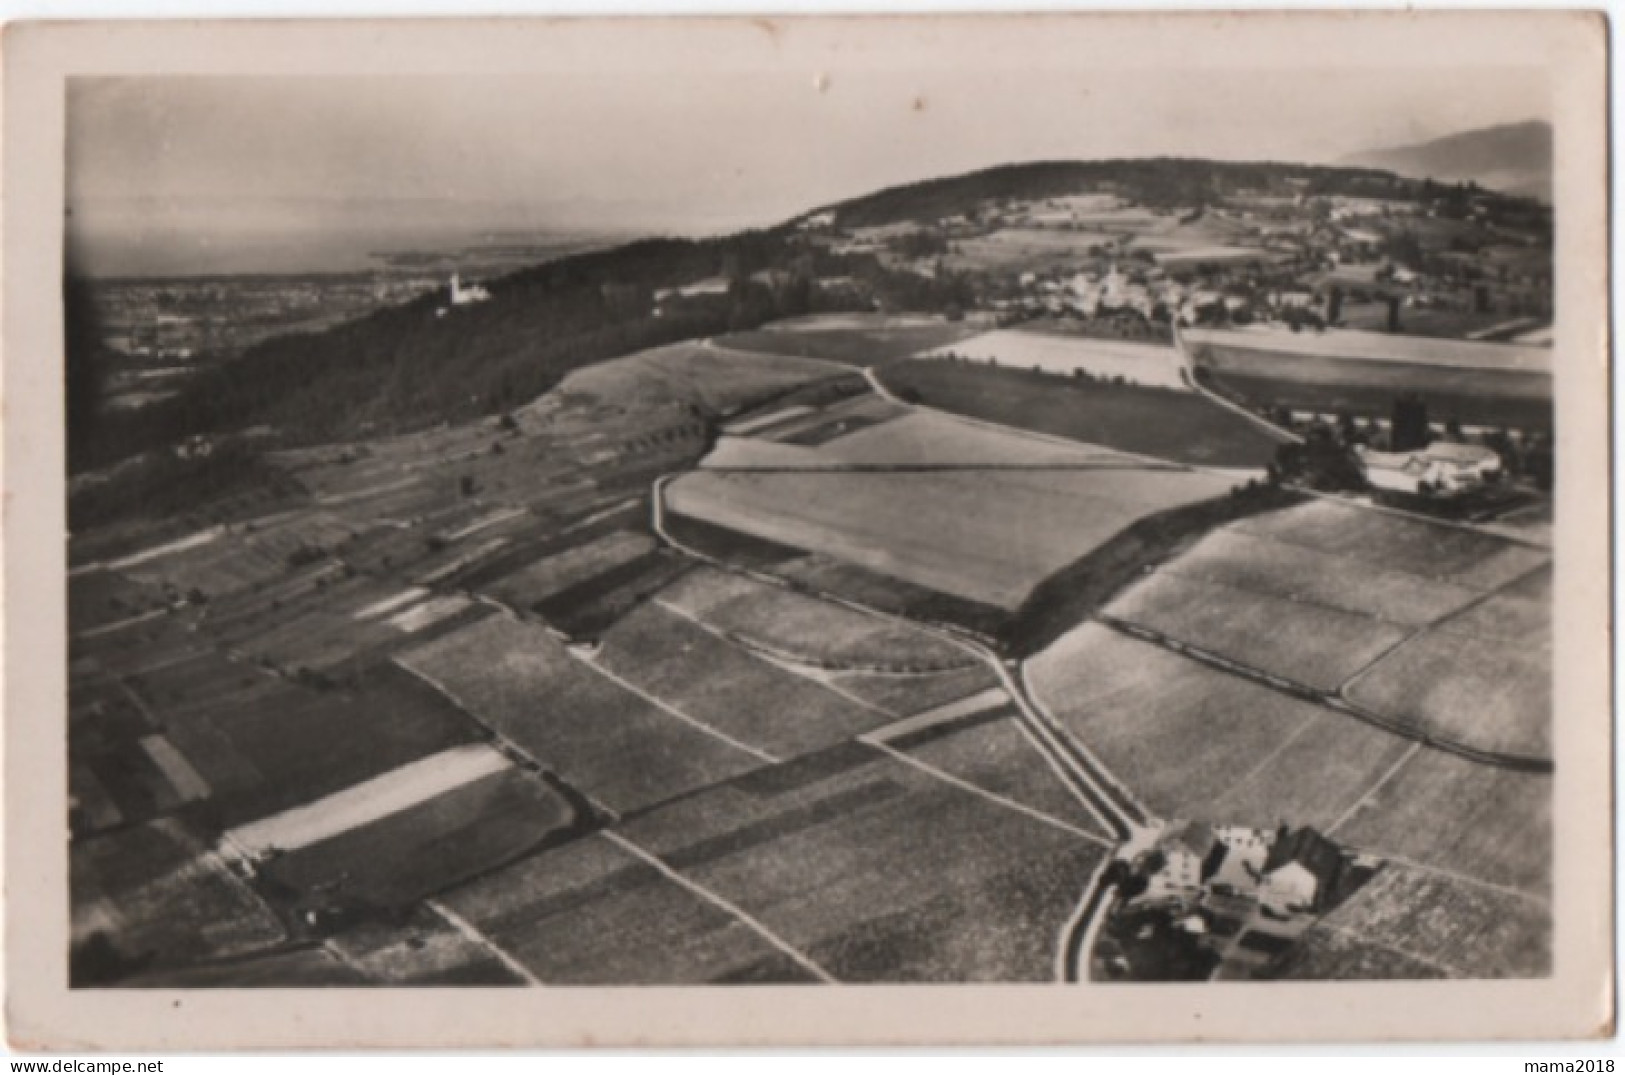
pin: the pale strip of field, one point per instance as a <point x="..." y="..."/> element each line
<point x="186" y="781"/>
<point x="1139" y="363"/>
<point x="485" y="522"/>
<point x="1380" y="347"/>
<point x="762" y="421"/>
<point x="361" y="804"/>
<point x="453" y="566"/>
<point x="429" y="613"/>
<point x="720" y="379"/>
<point x="191" y="541"/>
<point x="928" y="438"/>
<point x="390" y="604"/>
<point x="981" y="702"/>
<point x="119" y="625"/>
<point x="752" y="453"/>
<point x="365" y="492"/>
<point x="1178" y="253"/>
<point x="848" y="321"/>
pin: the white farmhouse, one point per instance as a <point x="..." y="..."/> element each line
<point x="1442" y="467"/>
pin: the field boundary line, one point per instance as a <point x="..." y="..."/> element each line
<point x="1147" y="462"/>
<point x="667" y="707"/>
<point x="1376" y="786"/>
<point x="506" y="745"/>
<point x="738" y="913"/>
<point x="993" y="797"/>
<point x="1467" y="879"/>
<point x="1268" y="760"/>
<point x="474" y="934"/>
<point x="787" y="664"/>
<point x="1433" y="625"/>
<point x="341" y="956"/>
<point x="1330" y="700"/>
<point x="1418" y="517"/>
<point x="1358" y="938"/>
<point x="119" y="625"/>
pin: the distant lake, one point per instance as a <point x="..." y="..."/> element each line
<point x="134" y="251"/>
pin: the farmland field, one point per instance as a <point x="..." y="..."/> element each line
<point x="591" y="607"/>
<point x="257" y="755"/>
<point x="1387" y="541"/>
<point x="1445" y="926"/>
<point x="547" y="576"/>
<point x="872" y="867"/>
<point x="1489" y="694"/>
<point x="906" y="695"/>
<point x="861" y="346"/>
<point x="422" y="950"/>
<point x="159" y="896"/>
<point x="1268" y="350"/>
<point x="1137" y="363"/>
<point x="1316" y="645"/>
<point x="1179" y="426"/>
<point x="591" y="912"/>
<point x="398" y="859"/>
<point x="103" y="598"/>
<point x="720" y="380"/>
<point x="1031" y="249"/>
<point x="1265" y="757"/>
<point x="805" y="629"/>
<point x="1323" y="952"/>
<point x="889" y="594"/>
<point x="918" y="439"/>
<point x="1232" y="557"/>
<point x="1479" y="384"/>
<point x="304" y="967"/>
<point x="983" y="537"/>
<point x="618" y="748"/>
<point x="1460" y="816"/>
<point x="990" y="751"/>
<point x="728" y="688"/>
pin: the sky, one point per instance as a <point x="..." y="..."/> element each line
<point x="153" y="159"/>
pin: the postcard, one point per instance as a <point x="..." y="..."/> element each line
<point x="820" y="530"/>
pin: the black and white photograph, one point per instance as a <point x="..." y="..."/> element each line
<point x="829" y="512"/>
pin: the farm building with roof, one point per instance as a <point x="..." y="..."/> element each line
<point x="1442" y="467"/>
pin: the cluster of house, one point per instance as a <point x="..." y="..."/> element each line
<point x="1286" y="871"/>
<point x="1442" y="468"/>
<point x="1153" y="294"/>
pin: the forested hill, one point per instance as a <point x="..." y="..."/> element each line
<point x="425" y="362"/>
<point x="1158" y="181"/>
